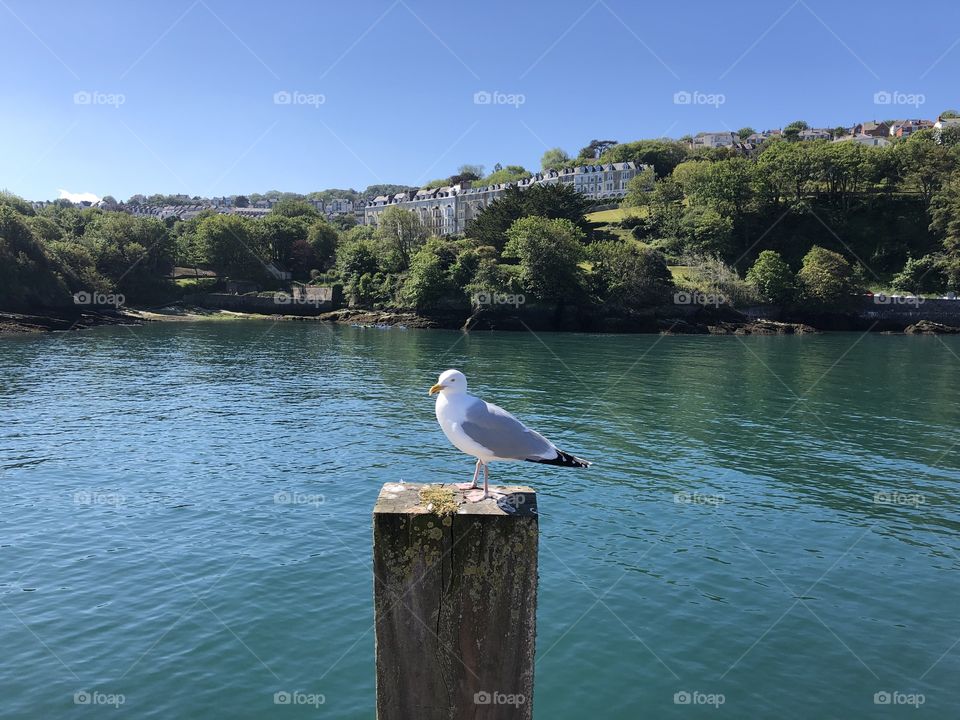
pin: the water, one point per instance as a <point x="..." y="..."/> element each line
<point x="727" y="542"/>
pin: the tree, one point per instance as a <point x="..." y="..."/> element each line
<point x="548" y="251"/>
<point x="595" y="149"/>
<point x="294" y="208"/>
<point x="29" y="276"/>
<point x="792" y="131"/>
<point x="240" y="201"/>
<point x="233" y="246"/>
<point x="945" y="225"/>
<point x="430" y="279"/>
<point x="626" y="276"/>
<point x="745" y="132"/>
<point x="323" y="239"/>
<point x="771" y="277"/>
<point x="947" y="114"/>
<point x="400" y="233"/>
<point x="825" y="277"/>
<point x="663" y="155"/>
<point x="554" y="159"/>
<point x="639" y="188"/>
<point x="489" y="227"/>
<point x="925" y="274"/>
<point x="509" y="174"/>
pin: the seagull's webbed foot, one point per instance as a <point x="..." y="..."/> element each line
<point x="466" y="486"/>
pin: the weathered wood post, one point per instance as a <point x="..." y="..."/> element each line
<point x="455" y="595"/>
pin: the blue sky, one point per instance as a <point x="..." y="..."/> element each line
<point x="179" y="96"/>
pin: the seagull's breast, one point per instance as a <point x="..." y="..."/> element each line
<point x="450" y="414"/>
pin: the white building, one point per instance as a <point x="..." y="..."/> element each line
<point x="715" y="139"/>
<point x="449" y="210"/>
<point x="862" y="139"/>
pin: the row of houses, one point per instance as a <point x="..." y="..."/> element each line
<point x="258" y="209"/>
<point x="873" y="132"/>
<point x="449" y="210"/>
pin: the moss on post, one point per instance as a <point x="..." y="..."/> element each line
<point x="455" y="588"/>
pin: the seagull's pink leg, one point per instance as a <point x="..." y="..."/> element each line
<point x="471" y="486"/>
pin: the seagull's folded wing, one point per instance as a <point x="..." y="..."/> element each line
<point x="503" y="435"/>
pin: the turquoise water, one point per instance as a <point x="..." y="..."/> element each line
<point x="729" y="543"/>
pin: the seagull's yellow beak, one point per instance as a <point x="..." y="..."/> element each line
<point x="436" y="388"/>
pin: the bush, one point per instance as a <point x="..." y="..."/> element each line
<point x="772" y="278"/>
<point x="925" y="274"/>
<point x="710" y="275"/>
<point x="826" y="277"/>
<point x="629" y="277"/>
<point x="549" y="252"/>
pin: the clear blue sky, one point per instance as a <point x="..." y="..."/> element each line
<point x="198" y="79"/>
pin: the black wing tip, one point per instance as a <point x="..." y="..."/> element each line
<point x="564" y="459"/>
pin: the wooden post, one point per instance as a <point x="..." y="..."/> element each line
<point x="455" y="595"/>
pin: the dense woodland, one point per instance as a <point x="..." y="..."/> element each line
<point x="792" y="222"/>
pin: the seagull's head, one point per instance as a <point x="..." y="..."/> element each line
<point x="450" y="382"/>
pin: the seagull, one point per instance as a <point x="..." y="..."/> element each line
<point x="488" y="432"/>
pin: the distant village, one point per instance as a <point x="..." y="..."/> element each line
<point x="447" y="210"/>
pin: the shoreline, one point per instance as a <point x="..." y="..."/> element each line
<point x="47" y="320"/>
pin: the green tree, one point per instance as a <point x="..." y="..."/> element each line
<point x="639" y="188"/>
<point x="294" y="208"/>
<point x="400" y="233"/>
<point x="772" y="277"/>
<point x="548" y="251"/>
<point x="430" y="279"/>
<point x="626" y="276"/>
<point x="925" y="274"/>
<point x="509" y="174"/>
<point x="825" y="276"/>
<point x="745" y="132"/>
<point x="233" y="246"/>
<point x="489" y="227"/>
<point x="663" y="155"/>
<point x="555" y="159"/>
<point x="323" y="239"/>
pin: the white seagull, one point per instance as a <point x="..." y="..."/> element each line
<point x="489" y="432"/>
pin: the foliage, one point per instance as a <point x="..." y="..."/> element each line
<point x="550" y="201"/>
<point x="825" y="277"/>
<point x="772" y="277"/>
<point x="555" y="159"/>
<point x="509" y="174"/>
<point x="925" y="274"/>
<point x="629" y="277"/>
<point x="548" y="252"/>
<point x="399" y="233"/>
